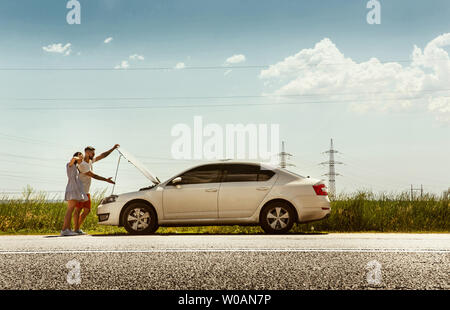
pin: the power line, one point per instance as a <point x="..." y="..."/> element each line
<point x="206" y="105"/>
<point x="221" y="67"/>
<point x="130" y="69"/>
<point x="218" y="97"/>
<point x="28" y="157"/>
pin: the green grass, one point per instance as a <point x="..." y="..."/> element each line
<point x="358" y="212"/>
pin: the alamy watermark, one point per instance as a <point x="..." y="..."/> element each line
<point x="74" y="274"/>
<point x="232" y="141"/>
<point x="74" y="15"/>
<point x="373" y="276"/>
<point x="374" y="15"/>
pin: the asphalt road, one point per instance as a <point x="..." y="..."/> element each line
<point x="294" y="261"/>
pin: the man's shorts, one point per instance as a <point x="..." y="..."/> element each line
<point x="84" y="204"/>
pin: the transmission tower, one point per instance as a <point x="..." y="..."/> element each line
<point x="331" y="170"/>
<point x="416" y="189"/>
<point x="284" y="156"/>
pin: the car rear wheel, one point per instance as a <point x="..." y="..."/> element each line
<point x="140" y="219"/>
<point x="277" y="217"/>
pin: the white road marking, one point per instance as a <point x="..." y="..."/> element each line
<point x="203" y="250"/>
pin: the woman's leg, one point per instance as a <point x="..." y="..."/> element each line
<point x="67" y="218"/>
<point x="76" y="219"/>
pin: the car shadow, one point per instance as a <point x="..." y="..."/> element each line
<point x="212" y="234"/>
<point x="58" y="236"/>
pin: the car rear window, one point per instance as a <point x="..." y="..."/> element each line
<point x="246" y="173"/>
<point x="265" y="175"/>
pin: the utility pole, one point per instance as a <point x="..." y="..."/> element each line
<point x="284" y="156"/>
<point x="331" y="170"/>
<point x="416" y="189"/>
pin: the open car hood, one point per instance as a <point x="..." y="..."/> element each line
<point x="135" y="162"/>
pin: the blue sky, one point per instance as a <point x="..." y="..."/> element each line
<point x="385" y="148"/>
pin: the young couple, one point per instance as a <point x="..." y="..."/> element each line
<point x="80" y="173"/>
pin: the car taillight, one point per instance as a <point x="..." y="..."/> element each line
<point x="320" y="189"/>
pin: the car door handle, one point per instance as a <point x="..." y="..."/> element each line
<point x="262" y="188"/>
<point x="211" y="190"/>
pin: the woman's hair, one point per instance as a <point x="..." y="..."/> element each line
<point x="75" y="155"/>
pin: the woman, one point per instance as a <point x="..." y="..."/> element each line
<point x="74" y="192"/>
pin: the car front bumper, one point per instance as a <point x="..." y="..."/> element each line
<point x="109" y="214"/>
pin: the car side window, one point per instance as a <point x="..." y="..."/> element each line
<point x="202" y="174"/>
<point x="245" y="173"/>
<point x="265" y="175"/>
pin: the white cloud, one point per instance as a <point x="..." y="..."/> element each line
<point x="235" y="59"/>
<point x="180" y="65"/>
<point x="440" y="106"/>
<point x="123" y="65"/>
<point x="324" y="73"/>
<point x="107" y="40"/>
<point x="58" y="48"/>
<point x="227" y="72"/>
<point x="136" y="57"/>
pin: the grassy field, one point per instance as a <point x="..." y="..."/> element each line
<point x="358" y="212"/>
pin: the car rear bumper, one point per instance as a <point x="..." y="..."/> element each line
<point x="314" y="217"/>
<point x="313" y="208"/>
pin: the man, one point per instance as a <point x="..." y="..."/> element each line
<point x="86" y="174"/>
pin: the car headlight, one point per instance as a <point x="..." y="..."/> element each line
<point x="109" y="199"/>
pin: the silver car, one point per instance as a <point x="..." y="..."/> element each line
<point x="221" y="193"/>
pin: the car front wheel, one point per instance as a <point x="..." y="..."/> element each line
<point x="140" y="219"/>
<point x="277" y="218"/>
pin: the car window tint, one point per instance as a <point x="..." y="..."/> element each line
<point x="241" y="173"/>
<point x="203" y="174"/>
<point x="265" y="175"/>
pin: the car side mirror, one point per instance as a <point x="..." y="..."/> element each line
<point x="176" y="180"/>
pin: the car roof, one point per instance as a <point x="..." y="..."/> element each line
<point x="224" y="162"/>
<point x="234" y="162"/>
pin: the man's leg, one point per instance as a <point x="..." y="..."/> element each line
<point x="83" y="216"/>
<point x="86" y="210"/>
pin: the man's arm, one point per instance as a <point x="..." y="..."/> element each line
<point x="97" y="177"/>
<point x="104" y="154"/>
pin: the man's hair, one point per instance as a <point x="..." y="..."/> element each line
<point x="89" y="148"/>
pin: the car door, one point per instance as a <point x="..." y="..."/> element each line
<point x="195" y="196"/>
<point x="243" y="188"/>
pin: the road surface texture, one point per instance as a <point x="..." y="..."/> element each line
<point x="293" y="261"/>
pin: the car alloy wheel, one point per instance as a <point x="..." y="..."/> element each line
<point x="278" y="218"/>
<point x="139" y="219"/>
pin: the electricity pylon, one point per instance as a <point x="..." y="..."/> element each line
<point x="331" y="170"/>
<point x="284" y="156"/>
